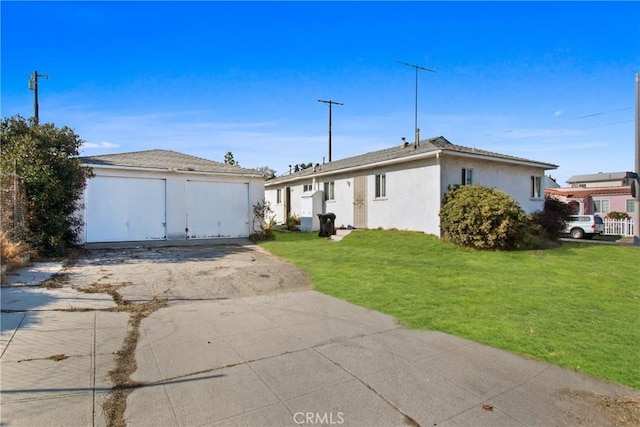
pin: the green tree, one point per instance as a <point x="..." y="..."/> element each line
<point x="267" y="172"/>
<point x="302" y="166"/>
<point x="45" y="158"/>
<point x="229" y="160"/>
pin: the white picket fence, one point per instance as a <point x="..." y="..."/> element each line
<point x="618" y="227"/>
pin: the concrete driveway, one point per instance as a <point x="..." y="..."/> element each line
<point x="231" y="335"/>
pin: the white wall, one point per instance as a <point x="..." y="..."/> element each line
<point x="515" y="180"/>
<point x="412" y="200"/>
<point x="414" y="191"/>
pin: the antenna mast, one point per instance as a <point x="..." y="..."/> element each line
<point x="417" y="67"/>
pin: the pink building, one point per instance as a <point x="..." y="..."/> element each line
<point x="598" y="193"/>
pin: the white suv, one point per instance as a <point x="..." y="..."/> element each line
<point x="584" y="226"/>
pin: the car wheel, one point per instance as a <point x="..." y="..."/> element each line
<point x="577" y="233"/>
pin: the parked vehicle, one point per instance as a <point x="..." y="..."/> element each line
<point x="584" y="226"/>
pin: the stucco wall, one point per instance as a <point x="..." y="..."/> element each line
<point x="414" y="191"/>
<point x="515" y="180"/>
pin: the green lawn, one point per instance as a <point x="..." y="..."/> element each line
<point x="577" y="306"/>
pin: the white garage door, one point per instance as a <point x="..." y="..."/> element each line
<point x="217" y="209"/>
<point x="125" y="209"/>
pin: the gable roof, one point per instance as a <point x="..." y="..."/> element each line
<point x="164" y="160"/>
<point x="404" y="153"/>
<point x="597" y="177"/>
<point x="582" y="192"/>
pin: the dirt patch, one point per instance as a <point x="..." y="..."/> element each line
<point x="57" y="281"/>
<point x="116" y="403"/>
<point x="109" y="289"/>
<point x="599" y="410"/>
<point x="55" y="358"/>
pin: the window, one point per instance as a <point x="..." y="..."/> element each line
<point x="601" y="206"/>
<point x="536" y="187"/>
<point x="279" y="196"/>
<point x="381" y="186"/>
<point x="329" y="188"/>
<point x="467" y="176"/>
<point x="307" y="187"/>
<point x="631" y="205"/>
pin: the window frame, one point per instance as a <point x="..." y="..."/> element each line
<point x="536" y="191"/>
<point x="381" y="186"/>
<point x="630" y="204"/>
<point x="597" y="206"/>
<point x="279" y="196"/>
<point x="329" y="190"/>
<point x="467" y="176"/>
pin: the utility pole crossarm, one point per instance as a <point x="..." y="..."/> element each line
<point x="330" y="103"/>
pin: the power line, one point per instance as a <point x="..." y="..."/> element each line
<point x="557" y="132"/>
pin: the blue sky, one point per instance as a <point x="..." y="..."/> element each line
<point x="548" y="81"/>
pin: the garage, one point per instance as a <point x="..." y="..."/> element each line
<point x="125" y="209"/>
<point x="217" y="209"/>
<point x="166" y="195"/>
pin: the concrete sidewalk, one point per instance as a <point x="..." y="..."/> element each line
<point x="305" y="358"/>
<point x="283" y="359"/>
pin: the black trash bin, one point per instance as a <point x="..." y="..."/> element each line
<point x="327" y="224"/>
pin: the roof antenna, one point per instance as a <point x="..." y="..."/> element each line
<point x="417" y="67"/>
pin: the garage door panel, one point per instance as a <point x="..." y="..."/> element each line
<point x="125" y="209"/>
<point x="217" y="209"/>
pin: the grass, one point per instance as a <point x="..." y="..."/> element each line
<point x="576" y="306"/>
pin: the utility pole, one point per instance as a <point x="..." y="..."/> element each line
<point x="33" y="85"/>
<point x="636" y="184"/>
<point x="417" y="67"/>
<point x="330" y="102"/>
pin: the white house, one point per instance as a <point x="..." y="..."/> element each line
<point x="165" y="195"/>
<point x="401" y="187"/>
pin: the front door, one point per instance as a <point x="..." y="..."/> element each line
<point x="360" y="202"/>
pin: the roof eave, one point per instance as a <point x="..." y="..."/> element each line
<point x="171" y="170"/>
<point x="420" y="156"/>
<point x="522" y="162"/>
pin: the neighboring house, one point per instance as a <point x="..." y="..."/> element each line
<point x="401" y="187"/>
<point x="550" y="182"/>
<point x="608" y="179"/>
<point x="598" y="193"/>
<point x="165" y="195"/>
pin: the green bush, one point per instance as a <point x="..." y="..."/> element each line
<point x="484" y="218"/>
<point x="45" y="159"/>
<point x="617" y="215"/>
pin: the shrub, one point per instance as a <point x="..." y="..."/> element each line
<point x="293" y="221"/>
<point x="45" y="158"/>
<point x="263" y="221"/>
<point x="484" y="218"/>
<point x="617" y="215"/>
<point x="553" y="218"/>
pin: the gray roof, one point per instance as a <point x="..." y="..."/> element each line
<point x="596" y="177"/>
<point x="402" y="152"/>
<point x="166" y="160"/>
